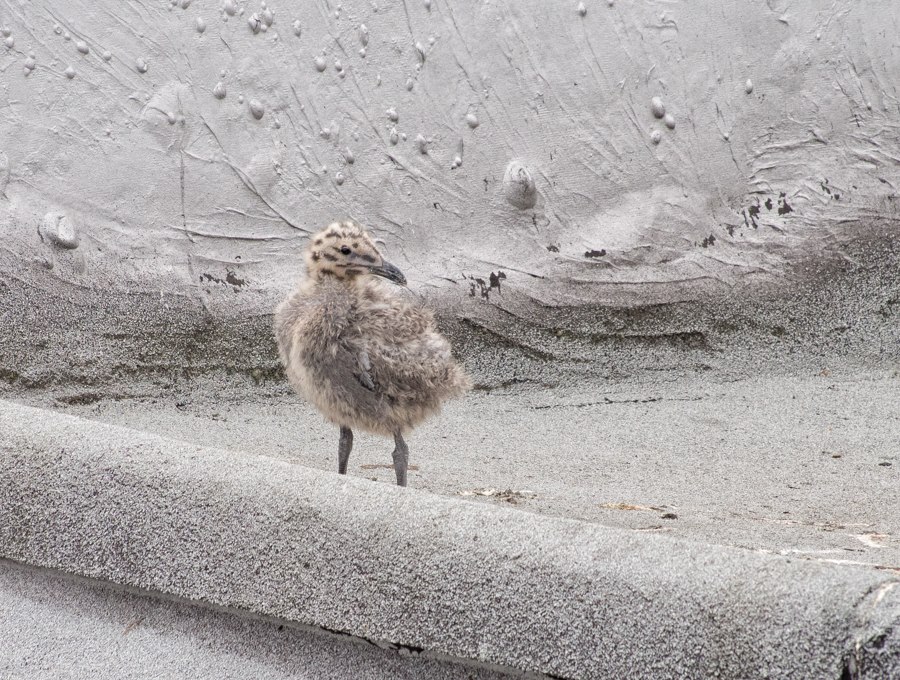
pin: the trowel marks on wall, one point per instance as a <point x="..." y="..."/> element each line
<point x="170" y="144"/>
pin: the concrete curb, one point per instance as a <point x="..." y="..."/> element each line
<point x="479" y="583"/>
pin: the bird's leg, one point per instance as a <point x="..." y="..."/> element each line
<point x="401" y="459"/>
<point x="344" y="447"/>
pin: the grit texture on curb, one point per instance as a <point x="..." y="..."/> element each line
<point x="480" y="583"/>
<point x="806" y="466"/>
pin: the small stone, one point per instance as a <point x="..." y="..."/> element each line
<point x="82" y="47"/>
<point x="106" y="56"/>
<point x="256" y="108"/>
<point x="656" y="136"/>
<point x="748" y="86"/>
<point x="219" y="90"/>
<point x="141" y="65"/>
<point x="472" y="120"/>
<point x="229" y="7"/>
<point x="657" y="107"/>
<point x="268" y="17"/>
<point x="392" y="115"/>
<point x="254" y="22"/>
<point x="200" y="24"/>
<point x="394" y="137"/>
<point x="339" y="178"/>
<point x="70" y="72"/>
<point x="10" y="42"/>
<point x="59" y="229"/>
<point x="297" y="29"/>
<point x="582" y="10"/>
<point x="669" y="120"/>
<point x="422" y="144"/>
<point x="320" y="63"/>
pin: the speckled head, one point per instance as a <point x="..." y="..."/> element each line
<point x="344" y="251"/>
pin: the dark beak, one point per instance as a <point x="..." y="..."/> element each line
<point x="390" y="272"/>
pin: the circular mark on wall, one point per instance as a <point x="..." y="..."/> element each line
<point x="518" y="186"/>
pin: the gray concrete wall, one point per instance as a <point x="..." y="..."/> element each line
<point x="163" y="164"/>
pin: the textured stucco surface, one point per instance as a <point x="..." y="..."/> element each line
<point x="475" y="582"/>
<point x="135" y="196"/>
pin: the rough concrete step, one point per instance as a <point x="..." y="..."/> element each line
<point x="485" y="584"/>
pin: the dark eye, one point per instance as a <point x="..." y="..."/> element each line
<point x="345" y="250"/>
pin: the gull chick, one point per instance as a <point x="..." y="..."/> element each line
<point x="357" y="351"/>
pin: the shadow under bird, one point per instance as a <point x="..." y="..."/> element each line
<point x="362" y="355"/>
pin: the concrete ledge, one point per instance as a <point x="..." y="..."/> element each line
<point x="478" y="583"/>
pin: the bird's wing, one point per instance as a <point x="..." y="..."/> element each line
<point x="365" y="366"/>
